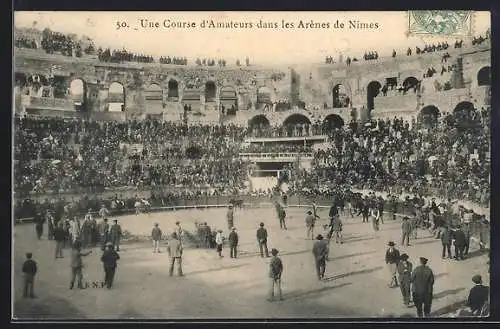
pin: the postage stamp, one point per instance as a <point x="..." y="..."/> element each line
<point x="440" y="22"/>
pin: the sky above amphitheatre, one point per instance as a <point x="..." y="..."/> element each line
<point x="280" y="44"/>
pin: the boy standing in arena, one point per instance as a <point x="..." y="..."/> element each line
<point x="156" y="235"/>
<point x="29" y="271"/>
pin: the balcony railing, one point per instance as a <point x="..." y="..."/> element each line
<point x="275" y="156"/>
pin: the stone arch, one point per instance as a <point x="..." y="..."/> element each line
<point x="464" y="107"/>
<point x="429" y="114"/>
<point x="78" y="92"/>
<point x="333" y="121"/>
<point x="339" y="96"/>
<point x="228" y="96"/>
<point x="484" y="76"/>
<point x="258" y="120"/>
<point x="116" y="97"/>
<point x="430" y="110"/>
<point x="210" y="91"/>
<point x="154" y="92"/>
<point x="296" y="118"/>
<point x="372" y="91"/>
<point x="173" y="89"/>
<point x="410" y="82"/>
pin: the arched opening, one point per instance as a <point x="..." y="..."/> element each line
<point x="153" y="95"/>
<point x="258" y="120"/>
<point x="372" y="91"/>
<point x="410" y="83"/>
<point x="258" y="125"/>
<point x="333" y="121"/>
<point x="429" y="115"/>
<point x="116" y="97"/>
<point x="339" y="94"/>
<point x="193" y="152"/>
<point x="210" y="91"/>
<point x="173" y="90"/>
<point x="464" y="111"/>
<point x="78" y="91"/>
<point x="228" y="100"/>
<point x="296" y="119"/>
<point x="60" y="87"/>
<point x="484" y="76"/>
<point x="263" y="97"/>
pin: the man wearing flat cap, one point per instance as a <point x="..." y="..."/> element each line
<point x="320" y="252"/>
<point x="109" y="259"/>
<point x="404" y="273"/>
<point x="275" y="271"/>
<point x="392" y="260"/>
<point x="422" y="280"/>
<point x="478" y="295"/>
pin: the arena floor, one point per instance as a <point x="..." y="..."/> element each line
<point x="356" y="284"/>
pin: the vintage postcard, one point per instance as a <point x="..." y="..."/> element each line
<point x="251" y="165"/>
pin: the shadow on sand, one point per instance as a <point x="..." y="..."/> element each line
<point x="344" y="275"/>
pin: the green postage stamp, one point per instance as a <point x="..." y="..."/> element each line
<point x="440" y="22"/>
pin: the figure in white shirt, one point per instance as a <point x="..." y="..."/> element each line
<point x="375" y="215"/>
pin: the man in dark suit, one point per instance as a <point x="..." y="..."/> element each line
<point x="109" y="259"/>
<point x="422" y="280"/>
<point x="115" y="233"/>
<point x="446" y="241"/>
<point x="460" y="242"/>
<point x="478" y="295"/>
<point x="404" y="273"/>
<point x="392" y="260"/>
<point x="365" y="211"/>
<point x="320" y="251"/>
<point x="233" y="242"/>
<point x="29" y="271"/>
<point x="262" y="240"/>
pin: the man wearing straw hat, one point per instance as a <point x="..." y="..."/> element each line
<point x="392" y="260"/>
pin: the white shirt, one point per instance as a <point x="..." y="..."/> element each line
<point x="219" y="239"/>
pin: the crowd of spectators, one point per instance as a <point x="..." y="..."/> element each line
<point x="370" y="55"/>
<point x="210" y="62"/>
<point x="450" y="158"/>
<point x="447" y="156"/>
<point x="57" y="154"/>
<point x="173" y="60"/>
<point x="277" y="148"/>
<point x="22" y="42"/>
<point x="119" y="56"/>
<point x="53" y="42"/>
<point x="286" y="130"/>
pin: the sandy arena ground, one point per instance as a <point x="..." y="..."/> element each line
<point x="356" y="284"/>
